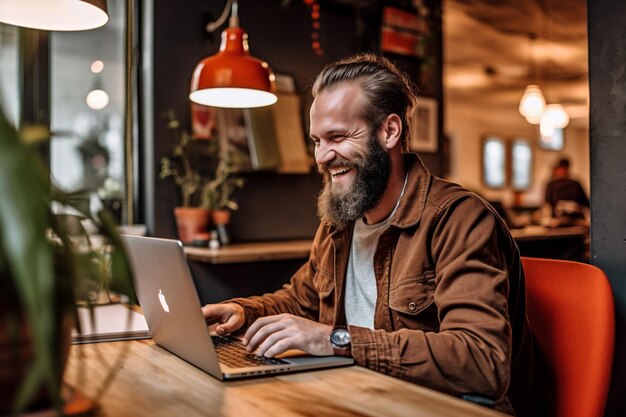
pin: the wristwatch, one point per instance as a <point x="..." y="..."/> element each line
<point x="341" y="342"/>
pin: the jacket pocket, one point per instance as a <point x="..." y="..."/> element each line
<point x="412" y="295"/>
<point x="325" y="286"/>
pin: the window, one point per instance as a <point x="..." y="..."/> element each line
<point x="87" y="151"/>
<point x="521" y="157"/>
<point x="553" y="142"/>
<point x="494" y="162"/>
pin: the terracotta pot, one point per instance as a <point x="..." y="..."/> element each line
<point x="191" y="221"/>
<point x="221" y="217"/>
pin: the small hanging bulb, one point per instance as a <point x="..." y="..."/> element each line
<point x="97" y="99"/>
<point x="97" y="66"/>
<point x="558" y="115"/>
<point x="546" y="126"/>
<point x="532" y="104"/>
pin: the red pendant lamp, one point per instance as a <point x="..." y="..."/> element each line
<point x="232" y="78"/>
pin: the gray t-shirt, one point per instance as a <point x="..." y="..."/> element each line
<point x="361" y="292"/>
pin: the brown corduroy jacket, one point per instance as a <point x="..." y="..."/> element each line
<point x="450" y="312"/>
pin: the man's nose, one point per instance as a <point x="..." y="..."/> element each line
<point x="324" y="152"/>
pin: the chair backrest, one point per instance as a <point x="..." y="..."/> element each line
<point x="571" y="316"/>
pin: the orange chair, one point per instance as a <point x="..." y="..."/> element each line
<point x="570" y="310"/>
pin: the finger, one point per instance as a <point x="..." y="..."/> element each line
<point x="233" y="323"/>
<point x="263" y="333"/>
<point x="213" y="313"/>
<point x="276" y="343"/>
<point x="258" y="324"/>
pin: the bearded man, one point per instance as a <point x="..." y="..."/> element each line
<point x="410" y="275"/>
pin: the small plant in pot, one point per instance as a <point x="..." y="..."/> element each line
<point x="44" y="269"/>
<point x="205" y="177"/>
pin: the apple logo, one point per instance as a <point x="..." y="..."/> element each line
<point x="164" y="305"/>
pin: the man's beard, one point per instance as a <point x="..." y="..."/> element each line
<point x="372" y="173"/>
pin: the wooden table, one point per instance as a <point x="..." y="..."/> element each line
<point x="149" y="381"/>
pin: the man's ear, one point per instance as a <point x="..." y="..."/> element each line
<point x="391" y="131"/>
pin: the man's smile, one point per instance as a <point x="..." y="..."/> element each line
<point x="339" y="172"/>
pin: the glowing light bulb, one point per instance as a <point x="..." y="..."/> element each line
<point x="97" y="99"/>
<point x="532" y="104"/>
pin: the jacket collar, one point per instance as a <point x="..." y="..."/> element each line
<point x="413" y="201"/>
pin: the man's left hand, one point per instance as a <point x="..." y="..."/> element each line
<point x="273" y="335"/>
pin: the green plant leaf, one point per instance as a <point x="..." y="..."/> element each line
<point x="24" y="214"/>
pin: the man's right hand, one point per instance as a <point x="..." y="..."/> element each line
<point x="229" y="317"/>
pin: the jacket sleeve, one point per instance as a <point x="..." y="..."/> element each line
<point x="471" y="352"/>
<point x="298" y="297"/>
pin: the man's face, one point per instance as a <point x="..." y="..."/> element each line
<point x="354" y="165"/>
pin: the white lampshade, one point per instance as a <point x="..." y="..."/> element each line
<point x="62" y="15"/>
<point x="532" y="104"/>
<point x="557" y="113"/>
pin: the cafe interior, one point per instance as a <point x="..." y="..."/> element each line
<point x="506" y="89"/>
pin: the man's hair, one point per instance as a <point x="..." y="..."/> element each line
<point x="387" y="89"/>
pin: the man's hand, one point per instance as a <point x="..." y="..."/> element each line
<point x="273" y="335"/>
<point x="229" y="316"/>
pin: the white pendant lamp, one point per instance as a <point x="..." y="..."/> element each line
<point x="547" y="126"/>
<point x="532" y="104"/>
<point x="557" y="114"/>
<point x="97" y="98"/>
<point x="61" y="15"/>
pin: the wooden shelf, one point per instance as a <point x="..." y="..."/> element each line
<point x="300" y="249"/>
<point x="251" y="252"/>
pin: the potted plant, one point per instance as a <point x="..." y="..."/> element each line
<point x="204" y="192"/>
<point x="44" y="266"/>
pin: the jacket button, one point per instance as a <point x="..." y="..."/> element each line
<point x="412" y="306"/>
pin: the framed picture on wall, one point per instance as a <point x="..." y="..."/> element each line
<point x="494" y="162"/>
<point x="424" y="126"/>
<point x="250" y="138"/>
<point x="203" y="121"/>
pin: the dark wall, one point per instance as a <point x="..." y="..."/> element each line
<point x="607" y="122"/>
<point x="273" y="206"/>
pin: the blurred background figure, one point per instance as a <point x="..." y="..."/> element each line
<point x="565" y="197"/>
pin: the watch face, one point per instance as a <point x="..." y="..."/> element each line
<point x="340" y="337"/>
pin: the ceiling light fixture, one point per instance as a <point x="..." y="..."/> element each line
<point x="232" y="78"/>
<point x="533" y="103"/>
<point x="557" y="114"/>
<point x="61" y="15"/>
<point x="97" y="98"/>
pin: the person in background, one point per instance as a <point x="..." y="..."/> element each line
<point x="410" y="275"/>
<point x="565" y="196"/>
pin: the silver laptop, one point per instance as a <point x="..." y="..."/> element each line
<point x="170" y="303"/>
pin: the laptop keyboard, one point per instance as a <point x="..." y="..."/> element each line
<point x="231" y="352"/>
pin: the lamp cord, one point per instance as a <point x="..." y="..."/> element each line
<point x="212" y="26"/>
